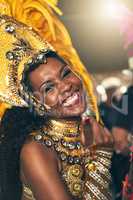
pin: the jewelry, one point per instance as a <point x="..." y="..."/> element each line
<point x="64" y="137"/>
<point x="27" y="193"/>
<point x="81" y="168"/>
<point x="20" y="47"/>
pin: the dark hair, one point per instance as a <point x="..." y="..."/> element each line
<point x="15" y="126"/>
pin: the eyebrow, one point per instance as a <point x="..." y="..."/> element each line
<point x="62" y="67"/>
<point x="60" y="72"/>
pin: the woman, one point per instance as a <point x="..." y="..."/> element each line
<point x="46" y="150"/>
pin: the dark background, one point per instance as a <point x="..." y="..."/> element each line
<point x="96" y="37"/>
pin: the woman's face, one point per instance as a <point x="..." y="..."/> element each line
<point x="55" y="85"/>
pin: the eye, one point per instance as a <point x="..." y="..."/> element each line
<point x="48" y="87"/>
<point x="66" y="72"/>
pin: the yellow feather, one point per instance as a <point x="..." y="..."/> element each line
<point x="5" y="7"/>
<point x="40" y="14"/>
<point x="61" y="31"/>
<point x="14" y="7"/>
<point x="53" y="4"/>
<point x="44" y="13"/>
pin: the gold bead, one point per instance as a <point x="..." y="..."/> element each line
<point x="91" y="167"/>
<point x="77" y="187"/>
<point x="76" y="172"/>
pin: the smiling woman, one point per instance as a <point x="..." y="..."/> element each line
<point x="46" y="148"/>
<point x="58" y="87"/>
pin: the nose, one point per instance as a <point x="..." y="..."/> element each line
<point x="65" y="87"/>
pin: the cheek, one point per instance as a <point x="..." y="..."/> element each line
<point x="75" y="80"/>
<point x="51" y="99"/>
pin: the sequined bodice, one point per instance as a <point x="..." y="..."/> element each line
<point x="85" y="172"/>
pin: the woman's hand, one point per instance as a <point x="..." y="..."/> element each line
<point x="95" y="133"/>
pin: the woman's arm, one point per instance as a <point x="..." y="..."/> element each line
<point x="40" y="167"/>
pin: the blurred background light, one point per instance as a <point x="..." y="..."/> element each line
<point x="95" y="33"/>
<point x="116" y="9"/>
<point x="111" y="9"/>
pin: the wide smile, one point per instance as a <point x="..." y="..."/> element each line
<point x="72" y="100"/>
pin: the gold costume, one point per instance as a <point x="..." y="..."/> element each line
<point x="84" y="171"/>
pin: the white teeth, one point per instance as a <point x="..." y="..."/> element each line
<point x="71" y="100"/>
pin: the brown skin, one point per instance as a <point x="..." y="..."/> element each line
<point x="53" y="83"/>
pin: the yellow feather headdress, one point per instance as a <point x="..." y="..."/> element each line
<point x="20" y="46"/>
<point x="41" y="15"/>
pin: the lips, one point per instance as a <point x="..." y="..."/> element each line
<point x="72" y="100"/>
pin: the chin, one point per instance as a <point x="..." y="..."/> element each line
<point x="77" y="112"/>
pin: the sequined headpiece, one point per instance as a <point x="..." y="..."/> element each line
<point x="42" y="15"/>
<point x="19" y="46"/>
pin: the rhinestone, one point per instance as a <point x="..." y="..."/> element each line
<point x="48" y="143"/>
<point x="55" y="139"/>
<point x="44" y="132"/>
<point x="38" y="137"/>
<point x="78" y="145"/>
<point x="45" y="50"/>
<point x="40" y="57"/>
<point x="10" y="55"/>
<point x="72" y="145"/>
<point x="57" y="148"/>
<point x="30" y="61"/>
<point x="76" y="160"/>
<point x="70" y="159"/>
<point x="42" y="108"/>
<point x="63" y="156"/>
<point x="64" y="143"/>
<point x="9" y="28"/>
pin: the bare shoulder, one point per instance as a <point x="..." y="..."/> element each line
<point x="40" y="168"/>
<point x="37" y="161"/>
<point x="33" y="151"/>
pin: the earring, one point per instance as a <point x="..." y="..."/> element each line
<point x="33" y="103"/>
<point x="39" y="108"/>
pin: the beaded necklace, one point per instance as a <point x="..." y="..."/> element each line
<point x="79" y="165"/>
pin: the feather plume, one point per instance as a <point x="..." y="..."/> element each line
<point x="42" y="16"/>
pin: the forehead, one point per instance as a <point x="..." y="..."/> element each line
<point x="44" y="72"/>
<point x="53" y="65"/>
